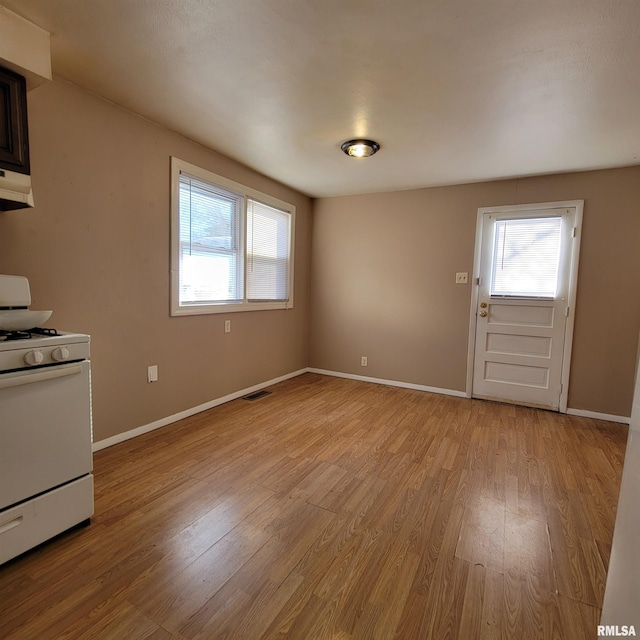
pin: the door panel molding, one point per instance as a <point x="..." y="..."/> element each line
<point x="543" y="207"/>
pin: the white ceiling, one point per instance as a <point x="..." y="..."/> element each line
<point x="455" y="91"/>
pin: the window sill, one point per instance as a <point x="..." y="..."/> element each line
<point x="205" y="309"/>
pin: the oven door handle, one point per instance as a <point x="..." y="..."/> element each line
<point x="40" y="376"/>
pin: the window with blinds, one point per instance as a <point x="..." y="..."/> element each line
<point x="231" y="245"/>
<point x="267" y="252"/>
<point x="526" y="257"/>
<point x="210" y="267"/>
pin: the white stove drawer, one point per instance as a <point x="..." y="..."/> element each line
<point x="28" y="524"/>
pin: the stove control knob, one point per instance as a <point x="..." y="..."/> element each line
<point x="33" y="357"/>
<point x="60" y="354"/>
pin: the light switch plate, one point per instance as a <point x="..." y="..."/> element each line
<point x="462" y="277"/>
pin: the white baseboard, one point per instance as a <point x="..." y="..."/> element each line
<point x="391" y="383"/>
<point x="163" y="422"/>
<point x="583" y="413"/>
<point x="459" y="394"/>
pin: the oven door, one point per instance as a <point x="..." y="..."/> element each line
<point x="45" y="429"/>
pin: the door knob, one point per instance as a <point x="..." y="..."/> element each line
<point x="483" y="305"/>
<point x="483" y="314"/>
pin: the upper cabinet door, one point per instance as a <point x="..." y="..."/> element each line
<point x="14" y="137"/>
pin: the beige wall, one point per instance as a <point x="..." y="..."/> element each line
<point x="383" y="268"/>
<point x="96" y="251"/>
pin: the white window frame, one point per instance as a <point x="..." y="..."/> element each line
<point x="180" y="166"/>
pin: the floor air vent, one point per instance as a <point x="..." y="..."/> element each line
<point x="256" y="395"/>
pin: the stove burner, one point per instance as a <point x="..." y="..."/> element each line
<point x="26" y="335"/>
<point x="44" y="331"/>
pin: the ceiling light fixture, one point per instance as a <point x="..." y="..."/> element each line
<point x="360" y="148"/>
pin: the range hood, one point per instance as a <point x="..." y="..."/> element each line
<point x="15" y="190"/>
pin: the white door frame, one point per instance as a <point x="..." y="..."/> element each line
<point x="573" y="286"/>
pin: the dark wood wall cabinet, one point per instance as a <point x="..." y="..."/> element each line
<point x="14" y="136"/>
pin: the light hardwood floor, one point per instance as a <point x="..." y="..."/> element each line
<point x="335" y="509"/>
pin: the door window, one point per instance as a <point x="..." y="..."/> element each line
<point x="526" y="257"/>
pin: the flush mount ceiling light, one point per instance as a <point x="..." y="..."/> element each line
<point x="360" y="148"/>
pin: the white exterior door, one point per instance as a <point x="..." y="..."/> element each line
<point x="524" y="305"/>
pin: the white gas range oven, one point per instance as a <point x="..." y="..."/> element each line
<point x="46" y="485"/>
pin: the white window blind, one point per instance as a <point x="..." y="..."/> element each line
<point x="268" y="242"/>
<point x="526" y="257"/>
<point x="211" y="265"/>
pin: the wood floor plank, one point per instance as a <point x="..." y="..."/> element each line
<point x="178" y="599"/>
<point x="120" y="621"/>
<point x="492" y="621"/>
<point x="335" y="509"/>
<point x="473" y="603"/>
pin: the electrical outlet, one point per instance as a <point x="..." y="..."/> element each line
<point x="363" y="361"/>
<point x="152" y="373"/>
<point x="462" y="277"/>
<point x="227" y="326"/>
